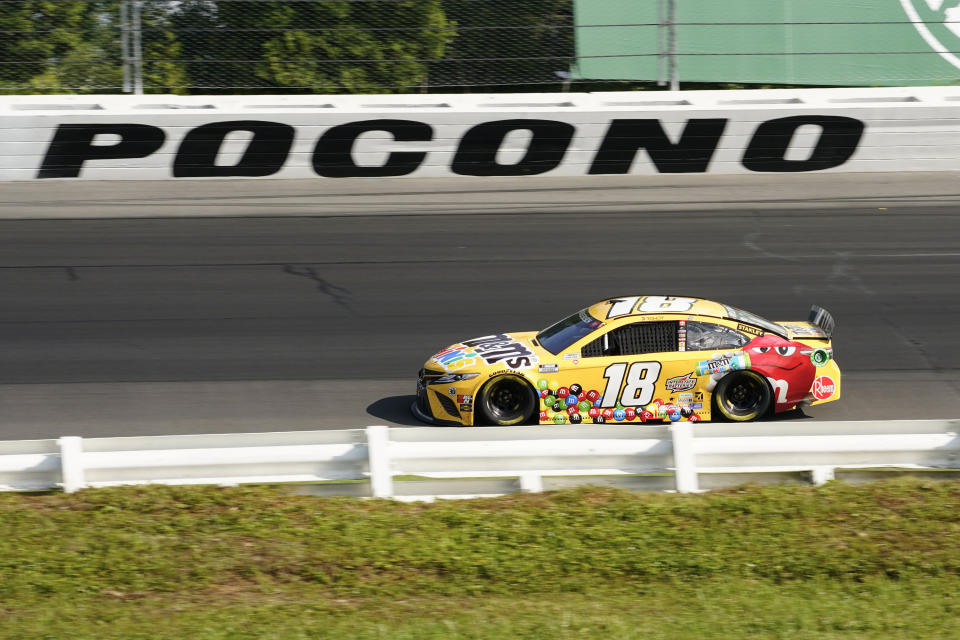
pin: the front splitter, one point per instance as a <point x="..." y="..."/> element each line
<point x="420" y="415"/>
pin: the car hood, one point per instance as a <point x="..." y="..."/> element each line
<point x="495" y="352"/>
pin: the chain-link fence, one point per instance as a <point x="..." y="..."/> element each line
<point x="387" y="46"/>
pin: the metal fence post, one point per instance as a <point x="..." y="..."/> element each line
<point x="684" y="457"/>
<point x="125" y="45"/>
<point x="672" y="45"/>
<point x="137" y="50"/>
<point x="822" y="475"/>
<point x="531" y="483"/>
<point x="71" y="463"/>
<point x="661" y="45"/>
<point x="378" y="452"/>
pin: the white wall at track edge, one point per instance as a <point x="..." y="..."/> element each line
<point x="905" y="129"/>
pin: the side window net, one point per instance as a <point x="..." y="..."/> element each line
<point x="704" y="336"/>
<point x="634" y="339"/>
<point x="593" y="349"/>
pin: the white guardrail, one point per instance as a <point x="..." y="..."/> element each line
<point x="489" y="460"/>
<point x="164" y="137"/>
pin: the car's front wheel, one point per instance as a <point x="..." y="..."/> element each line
<point x="742" y="396"/>
<point x="507" y="400"/>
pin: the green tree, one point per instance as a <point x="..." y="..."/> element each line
<point x="507" y="44"/>
<point x="73" y="46"/>
<point x="162" y="49"/>
<point x="42" y="40"/>
<point x="314" y="47"/>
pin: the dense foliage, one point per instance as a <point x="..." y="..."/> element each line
<point x="260" y="46"/>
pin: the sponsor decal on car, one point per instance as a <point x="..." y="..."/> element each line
<point x="680" y="383"/>
<point x="728" y="362"/>
<point x="494" y="349"/>
<point x="456" y="357"/>
<point x="574" y="404"/>
<point x="501" y="348"/>
<point x="824" y="387"/>
<point x="548" y="368"/>
<point x="748" y="329"/>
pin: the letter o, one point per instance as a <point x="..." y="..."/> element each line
<point x="477" y="153"/>
<point x="837" y="143"/>
<point x="264" y="156"/>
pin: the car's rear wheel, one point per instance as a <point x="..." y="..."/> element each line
<point x="507" y="400"/>
<point x="742" y="396"/>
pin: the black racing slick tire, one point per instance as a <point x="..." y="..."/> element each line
<point x="507" y="400"/>
<point x="742" y="396"/>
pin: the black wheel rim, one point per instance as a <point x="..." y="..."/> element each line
<point x="507" y="400"/>
<point x="744" y="396"/>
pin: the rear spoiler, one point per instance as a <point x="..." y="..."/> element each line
<point x="823" y="319"/>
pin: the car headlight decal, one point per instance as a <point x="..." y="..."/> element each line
<point x="452" y="378"/>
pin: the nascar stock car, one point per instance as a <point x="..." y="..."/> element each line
<point x="634" y="359"/>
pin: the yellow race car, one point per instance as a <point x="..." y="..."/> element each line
<point x="634" y="359"/>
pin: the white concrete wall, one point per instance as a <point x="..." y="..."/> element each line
<point x="892" y="129"/>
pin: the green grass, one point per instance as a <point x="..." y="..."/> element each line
<point x="842" y="561"/>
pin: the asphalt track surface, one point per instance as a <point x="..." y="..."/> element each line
<point x="200" y="307"/>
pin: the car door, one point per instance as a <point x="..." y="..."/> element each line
<point x="624" y="369"/>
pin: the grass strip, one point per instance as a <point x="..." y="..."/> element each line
<point x="876" y="560"/>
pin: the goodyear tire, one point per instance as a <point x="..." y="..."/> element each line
<point x="507" y="400"/>
<point x="742" y="396"/>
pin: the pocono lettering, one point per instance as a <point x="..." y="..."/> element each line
<point x="475" y="154"/>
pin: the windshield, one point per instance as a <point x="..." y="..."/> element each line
<point x="558" y="337"/>
<point x="754" y="319"/>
